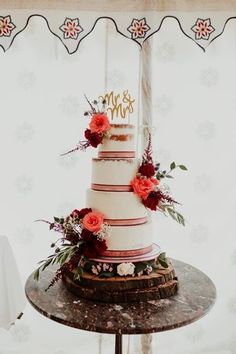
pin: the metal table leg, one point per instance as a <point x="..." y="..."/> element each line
<point x="118" y="345"/>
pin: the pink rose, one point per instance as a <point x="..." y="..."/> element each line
<point x="143" y="186"/>
<point x="99" y="123"/>
<point x="93" y="221"/>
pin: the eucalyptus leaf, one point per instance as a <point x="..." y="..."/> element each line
<point x="163" y="263"/>
<point x="172" y="165"/>
<point x="78" y="273"/>
<point x="51" y="226"/>
<point x="36" y="274"/>
<point x="106" y="274"/>
<point x="139" y="267"/>
<point x="182" y="167"/>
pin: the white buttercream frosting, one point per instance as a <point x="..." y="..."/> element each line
<point x="114" y="172"/>
<point x="116" y="205"/>
<point x="134" y="237"/>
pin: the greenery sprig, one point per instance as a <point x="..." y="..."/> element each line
<point x="167" y="174"/>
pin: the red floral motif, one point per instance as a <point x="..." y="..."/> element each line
<point x="6" y="26"/>
<point x="138" y="28"/>
<point x="203" y="28"/>
<point x="71" y="28"/>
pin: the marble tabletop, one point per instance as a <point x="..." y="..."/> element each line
<point x="195" y="298"/>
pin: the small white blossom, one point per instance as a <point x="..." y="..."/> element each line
<point x="140" y="273"/>
<point x="105" y="267"/>
<point x="94" y="270"/>
<point x="99" y="267"/>
<point x="148" y="269"/>
<point x="110" y="269"/>
<point x="104" y="233"/>
<point x="125" y="269"/>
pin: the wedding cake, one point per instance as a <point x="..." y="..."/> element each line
<point x="106" y="251"/>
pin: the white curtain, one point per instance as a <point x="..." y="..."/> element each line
<point x="42" y="107"/>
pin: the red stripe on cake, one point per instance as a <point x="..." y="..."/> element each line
<point x="127" y="222"/>
<point x="125" y="154"/>
<point x="128" y="253"/>
<point x="111" y="187"/>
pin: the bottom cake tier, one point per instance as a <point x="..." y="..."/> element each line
<point x="160" y="283"/>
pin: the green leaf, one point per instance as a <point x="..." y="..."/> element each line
<point x="51" y="226"/>
<point x="163" y="260"/>
<point x="36" y="274"/>
<point x="46" y="264"/>
<point x="182" y="167"/>
<point x="172" y="165"/>
<point x="169" y="176"/>
<point x="56" y="219"/>
<point x="78" y="273"/>
<point x="163" y="263"/>
<point x="139" y="267"/>
<point x="107" y="274"/>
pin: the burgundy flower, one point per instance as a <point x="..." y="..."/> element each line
<point x="87" y="235"/>
<point x="152" y="200"/>
<point x="80" y="213"/>
<point x="94" y="248"/>
<point x="74" y="213"/>
<point x="93" y="138"/>
<point x="83" y="212"/>
<point x="147" y="169"/>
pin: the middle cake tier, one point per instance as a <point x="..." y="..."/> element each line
<point x="119" y="208"/>
<point x="113" y="174"/>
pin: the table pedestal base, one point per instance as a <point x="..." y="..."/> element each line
<point x="118" y="344"/>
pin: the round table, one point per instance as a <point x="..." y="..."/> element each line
<point x="195" y="298"/>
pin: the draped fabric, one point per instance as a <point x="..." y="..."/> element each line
<point x="72" y="21"/>
<point x="11" y="292"/>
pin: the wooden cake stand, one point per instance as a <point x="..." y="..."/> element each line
<point x="194" y="299"/>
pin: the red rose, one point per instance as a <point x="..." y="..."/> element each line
<point x="94" y="139"/>
<point x="142" y="186"/>
<point x="152" y="200"/>
<point x="147" y="170"/>
<point x="99" y="123"/>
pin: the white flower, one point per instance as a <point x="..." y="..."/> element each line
<point x="105" y="267"/>
<point x="125" y="269"/>
<point x="148" y="269"/>
<point x="94" y="270"/>
<point x="104" y="233"/>
<point x="99" y="268"/>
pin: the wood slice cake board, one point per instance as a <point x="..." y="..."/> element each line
<point x="160" y="284"/>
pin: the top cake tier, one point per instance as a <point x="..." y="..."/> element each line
<point x="119" y="142"/>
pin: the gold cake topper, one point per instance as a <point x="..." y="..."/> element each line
<point x="119" y="105"/>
